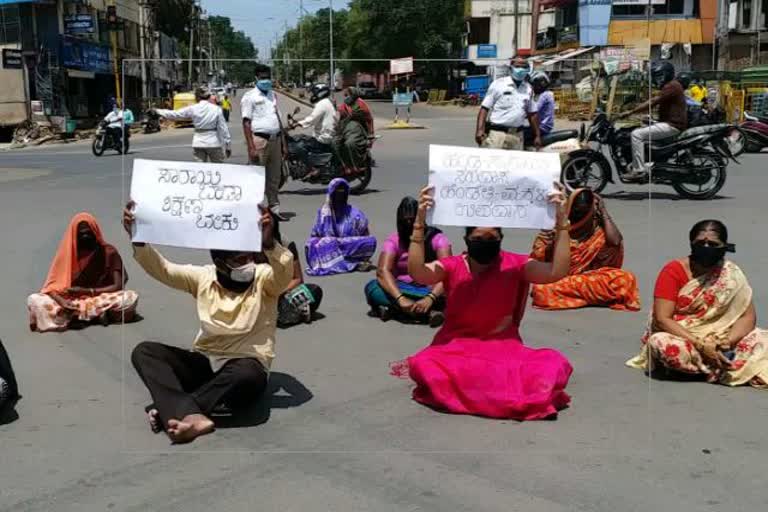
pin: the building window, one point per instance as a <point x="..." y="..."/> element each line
<point x="480" y="31"/>
<point x="746" y="13"/>
<point x="10" y="23"/>
<point x="668" y="8"/>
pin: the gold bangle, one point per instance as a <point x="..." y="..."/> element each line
<point x="564" y="227"/>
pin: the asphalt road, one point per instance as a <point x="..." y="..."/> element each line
<point x="341" y="433"/>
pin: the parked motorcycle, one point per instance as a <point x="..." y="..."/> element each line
<point x="104" y="139"/>
<point x="320" y="168"/>
<point x="151" y="122"/>
<point x="693" y="162"/>
<point x="755" y="130"/>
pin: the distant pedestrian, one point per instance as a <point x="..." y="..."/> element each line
<point x="226" y="107"/>
<point x="212" y="140"/>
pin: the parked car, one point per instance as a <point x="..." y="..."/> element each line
<point x="368" y="90"/>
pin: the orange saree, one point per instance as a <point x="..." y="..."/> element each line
<point x="595" y="277"/>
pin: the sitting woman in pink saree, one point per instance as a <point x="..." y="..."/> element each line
<point x="703" y="321"/>
<point x="85" y="282"/>
<point x="477" y="364"/>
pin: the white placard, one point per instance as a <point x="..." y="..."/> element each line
<point x="401" y="66"/>
<point x="492" y="187"/>
<point x="198" y="205"/>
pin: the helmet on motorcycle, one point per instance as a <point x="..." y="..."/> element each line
<point x="539" y="79"/>
<point x="662" y="72"/>
<point x="319" y="92"/>
<point x="685" y="79"/>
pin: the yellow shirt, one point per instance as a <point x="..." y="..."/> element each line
<point x="232" y="325"/>
<point x="697" y="93"/>
<point x="226" y="104"/>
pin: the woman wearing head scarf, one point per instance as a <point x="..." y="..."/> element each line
<point x="340" y="241"/>
<point x="355" y="128"/>
<point x="597" y="253"/>
<point x="703" y="320"/>
<point x="394" y="291"/>
<point x="85" y="282"/>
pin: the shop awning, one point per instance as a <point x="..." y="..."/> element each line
<point x="568" y="54"/>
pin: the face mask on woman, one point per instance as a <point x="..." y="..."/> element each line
<point x="707" y="256"/>
<point x="483" y="251"/>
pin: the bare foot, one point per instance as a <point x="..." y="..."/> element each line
<point x="154" y="423"/>
<point x="189" y="428"/>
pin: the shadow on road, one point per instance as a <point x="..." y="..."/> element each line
<point x="284" y="392"/>
<point x="654" y="196"/>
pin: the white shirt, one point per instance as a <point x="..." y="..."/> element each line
<point x="261" y="109"/>
<point x="323" y="120"/>
<point x="211" y="130"/>
<point x="115" y="119"/>
<point x="509" y="103"/>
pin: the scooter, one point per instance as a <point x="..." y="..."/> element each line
<point x="151" y="122"/>
<point x="755" y="129"/>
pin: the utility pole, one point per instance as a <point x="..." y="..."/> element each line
<point x="210" y="49"/>
<point x="301" y="43"/>
<point x="333" y="72"/>
<point x="112" y="24"/>
<point x="192" y="24"/>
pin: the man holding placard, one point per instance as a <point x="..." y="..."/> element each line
<point x="509" y="101"/>
<point x="237" y="300"/>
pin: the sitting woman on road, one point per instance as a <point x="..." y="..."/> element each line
<point x="300" y="300"/>
<point x="85" y="282"/>
<point x="236" y="303"/>
<point x="477" y="363"/>
<point x="355" y="126"/>
<point x="394" y="291"/>
<point x="595" y="277"/>
<point x="340" y="241"/>
<point x="703" y="320"/>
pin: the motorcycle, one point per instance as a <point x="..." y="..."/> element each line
<point x="151" y="122"/>
<point x="755" y="130"/>
<point x="320" y="168"/>
<point x="693" y="162"/>
<point x="104" y="139"/>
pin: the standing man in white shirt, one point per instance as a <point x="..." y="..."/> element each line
<point x="212" y="140"/>
<point x="510" y="103"/>
<point x="323" y="120"/>
<point x="263" y="132"/>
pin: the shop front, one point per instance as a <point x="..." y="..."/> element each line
<point x="90" y="82"/>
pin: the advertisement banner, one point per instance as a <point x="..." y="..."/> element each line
<point x="85" y="56"/>
<point x="594" y="19"/>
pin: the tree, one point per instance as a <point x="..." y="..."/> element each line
<point x="232" y="44"/>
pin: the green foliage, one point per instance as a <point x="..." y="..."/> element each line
<point x="379" y="29"/>
<point x="234" y="44"/>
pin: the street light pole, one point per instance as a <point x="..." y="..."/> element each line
<point x="301" y="43"/>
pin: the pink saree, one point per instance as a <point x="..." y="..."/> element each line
<point x="477" y="363"/>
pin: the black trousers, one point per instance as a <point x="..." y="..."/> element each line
<point x="182" y="382"/>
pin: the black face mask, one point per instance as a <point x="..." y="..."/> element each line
<point x="87" y="242"/>
<point x="483" y="251"/>
<point x="707" y="256"/>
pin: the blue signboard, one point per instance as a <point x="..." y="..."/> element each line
<point x="85" y="56"/>
<point x="79" y="24"/>
<point x="402" y="99"/>
<point x="594" y="19"/>
<point x="3" y="2"/>
<point x="486" y="51"/>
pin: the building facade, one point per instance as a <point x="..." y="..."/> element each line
<point x="742" y="34"/>
<point x="69" y="64"/>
